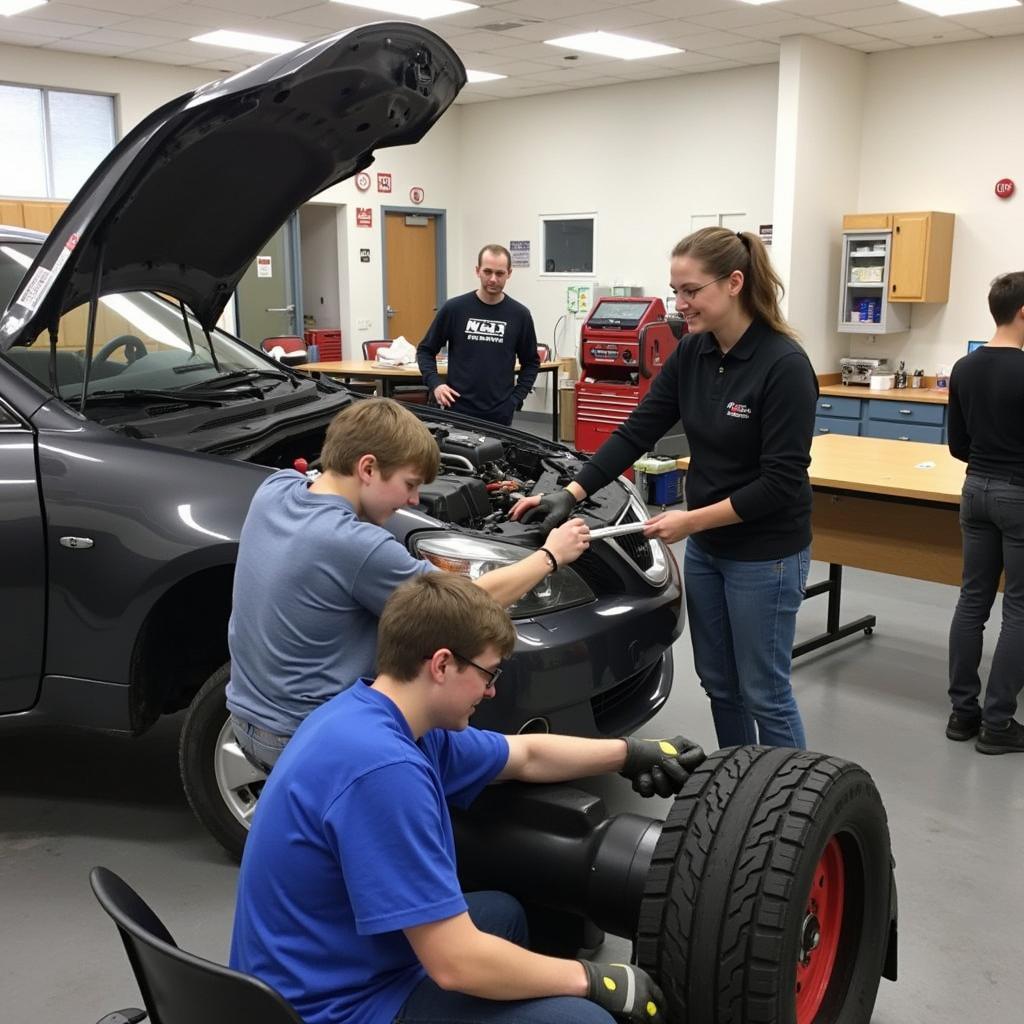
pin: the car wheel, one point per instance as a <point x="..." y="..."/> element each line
<point x="221" y="784"/>
<point x="769" y="896"/>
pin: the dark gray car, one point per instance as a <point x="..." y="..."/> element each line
<point x="134" y="432"/>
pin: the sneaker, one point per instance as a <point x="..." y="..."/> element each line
<point x="1007" y="740"/>
<point x="962" y="727"/>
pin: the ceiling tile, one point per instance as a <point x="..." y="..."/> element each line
<point x="75" y="15"/>
<point x="22" y="38"/>
<point x="743" y="14"/>
<point x="77" y="46"/>
<point x="192" y="53"/>
<point x="877" y="45"/>
<point x="549" y="9"/>
<point x="38" y="27"/>
<point x="680" y="8"/>
<point x="747" y="52"/>
<point x="845" y="37"/>
<point x="492" y="62"/>
<point x="201" y="19"/>
<point x="483" y="41"/>
<point x="127" y="40"/>
<point x="1003" y="22"/>
<point x="948" y="34"/>
<point x="262" y="8"/>
<point x="698" y="38"/>
<point x="776" y="30"/>
<point x="627" y="20"/>
<point x="816" y="8"/>
<point x="875" y="16"/>
<point x="130" y="8"/>
<point x="914" y="27"/>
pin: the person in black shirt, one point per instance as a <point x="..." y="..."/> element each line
<point x="485" y="331"/>
<point x="746" y="394"/>
<point x="986" y="430"/>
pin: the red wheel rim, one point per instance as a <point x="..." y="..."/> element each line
<point x="819" y="934"/>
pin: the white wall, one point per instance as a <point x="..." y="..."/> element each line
<point x="645" y="156"/>
<point x="941" y="127"/>
<point x="817" y="173"/>
<point x="139" y="87"/>
<point x="433" y="164"/>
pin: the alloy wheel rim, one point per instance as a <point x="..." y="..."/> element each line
<point x="239" y="781"/>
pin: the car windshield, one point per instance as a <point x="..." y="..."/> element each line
<point x="141" y="344"/>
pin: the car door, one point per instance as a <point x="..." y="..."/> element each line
<point x="23" y="557"/>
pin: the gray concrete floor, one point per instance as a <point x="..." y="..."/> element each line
<point x="957" y="819"/>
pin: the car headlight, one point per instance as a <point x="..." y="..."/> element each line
<point x="473" y="556"/>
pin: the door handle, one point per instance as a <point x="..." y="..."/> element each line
<point x="281" y="309"/>
<point x="389" y="311"/>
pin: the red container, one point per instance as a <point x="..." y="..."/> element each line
<point x="329" y="343"/>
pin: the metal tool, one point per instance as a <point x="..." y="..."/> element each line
<point x="616" y="531"/>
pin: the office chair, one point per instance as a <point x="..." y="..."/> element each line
<point x="287" y="349"/>
<point x="177" y="987"/>
<point x="414" y="394"/>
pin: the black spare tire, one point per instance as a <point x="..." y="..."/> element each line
<point x="770" y="895"/>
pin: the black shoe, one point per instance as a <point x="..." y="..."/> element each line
<point x="962" y="727"/>
<point x="1008" y="740"/>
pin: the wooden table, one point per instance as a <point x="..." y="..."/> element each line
<point x="887" y="506"/>
<point x="387" y="376"/>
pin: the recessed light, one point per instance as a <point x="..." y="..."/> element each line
<point x="757" y="3"/>
<point x="947" y="8"/>
<point x="482" y="76"/>
<point x="610" y="44"/>
<point x="421" y="9"/>
<point x="247" y="41"/>
<point x="9" y="7"/>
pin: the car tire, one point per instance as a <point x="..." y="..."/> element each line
<point x="221" y="784"/>
<point x="770" y="893"/>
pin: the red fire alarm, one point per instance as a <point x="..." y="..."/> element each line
<point x="1005" y="188"/>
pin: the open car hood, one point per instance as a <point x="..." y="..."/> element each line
<point x="184" y="203"/>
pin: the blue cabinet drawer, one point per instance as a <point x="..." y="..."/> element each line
<point x="904" y="431"/>
<point x="832" y="425"/>
<point x="844" y="407"/>
<point x="906" y="412"/>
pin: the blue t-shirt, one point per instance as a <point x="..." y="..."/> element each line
<point x="352" y="842"/>
<point x="310" y="584"/>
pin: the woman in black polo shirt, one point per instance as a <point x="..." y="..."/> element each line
<point x="745" y="392"/>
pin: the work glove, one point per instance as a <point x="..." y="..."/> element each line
<point x="555" y="507"/>
<point x="660" y="766"/>
<point x="625" y="991"/>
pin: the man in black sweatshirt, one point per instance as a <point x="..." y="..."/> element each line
<point x="986" y="430"/>
<point x="486" y="332"/>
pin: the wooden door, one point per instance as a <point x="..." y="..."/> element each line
<point x="909" y="249"/>
<point x="411" y="281"/>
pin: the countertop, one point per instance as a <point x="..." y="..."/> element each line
<point x="937" y="396"/>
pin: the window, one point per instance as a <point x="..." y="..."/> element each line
<point x="567" y="244"/>
<point x="59" y="138"/>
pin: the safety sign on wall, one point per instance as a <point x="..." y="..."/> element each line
<point x="364" y="255"/>
<point x="416" y="194"/>
<point x="264" y="266"/>
<point x="364" y="216"/>
<point x="383" y="181"/>
<point x="520" y="250"/>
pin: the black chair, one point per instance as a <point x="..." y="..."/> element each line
<point x="177" y="987"/>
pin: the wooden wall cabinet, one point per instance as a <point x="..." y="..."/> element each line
<point x="922" y="251"/>
<point x="38" y="215"/>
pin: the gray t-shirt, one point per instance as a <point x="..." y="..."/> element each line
<point x="310" y="584"/>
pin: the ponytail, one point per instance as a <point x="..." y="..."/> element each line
<point x="721" y="251"/>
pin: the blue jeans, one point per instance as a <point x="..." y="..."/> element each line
<point x="262" y="748"/>
<point x="498" y="914"/>
<point x="742" y="619"/>
<point x="992" y="526"/>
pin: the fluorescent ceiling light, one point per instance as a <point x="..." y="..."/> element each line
<point x="247" y="41"/>
<point x="421" y="9"/>
<point x="609" y="44"/>
<point x="9" y="7"/>
<point x="757" y="3"/>
<point x="482" y="76"/>
<point x="946" y="8"/>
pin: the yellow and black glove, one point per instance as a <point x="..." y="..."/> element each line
<point x="625" y="991"/>
<point x="660" y="766"/>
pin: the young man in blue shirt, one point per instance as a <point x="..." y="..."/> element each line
<point x="349" y="902"/>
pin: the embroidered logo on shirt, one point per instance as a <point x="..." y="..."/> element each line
<point x="737" y="410"/>
<point x="485" y="330"/>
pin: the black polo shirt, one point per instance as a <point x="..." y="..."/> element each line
<point x="749" y="419"/>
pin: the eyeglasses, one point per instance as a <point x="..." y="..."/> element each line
<point x="691" y="293"/>
<point x="492" y="674"/>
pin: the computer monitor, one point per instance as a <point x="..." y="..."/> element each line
<point x="973" y="346"/>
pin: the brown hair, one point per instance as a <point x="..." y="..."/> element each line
<point x="1006" y="297"/>
<point x="435" y="610"/>
<point x="721" y="251"/>
<point x="384" y="429"/>
<point x="495" y="250"/>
